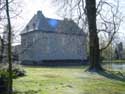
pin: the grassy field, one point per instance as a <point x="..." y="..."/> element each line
<point x="114" y="61"/>
<point x="68" y="80"/>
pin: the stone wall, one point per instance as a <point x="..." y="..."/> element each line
<point x="38" y="46"/>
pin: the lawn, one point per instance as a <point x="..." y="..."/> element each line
<point x="66" y="80"/>
<point x="114" y="61"/>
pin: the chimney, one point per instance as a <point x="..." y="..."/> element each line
<point x="39" y="14"/>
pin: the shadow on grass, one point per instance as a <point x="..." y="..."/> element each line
<point x="115" y="75"/>
<point x="26" y="92"/>
<point x="56" y="67"/>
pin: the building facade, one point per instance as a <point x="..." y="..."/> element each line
<point x="45" y="39"/>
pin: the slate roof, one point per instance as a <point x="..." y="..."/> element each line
<point x="42" y="23"/>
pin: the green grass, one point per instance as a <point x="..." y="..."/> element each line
<point x="114" y="61"/>
<point x="68" y="80"/>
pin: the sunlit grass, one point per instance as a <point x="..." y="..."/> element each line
<point x="114" y="61"/>
<point x="68" y="80"/>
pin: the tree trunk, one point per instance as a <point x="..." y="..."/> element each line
<point x="10" y="81"/>
<point x="93" y="36"/>
<point x="1" y="50"/>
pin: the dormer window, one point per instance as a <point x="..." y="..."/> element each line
<point x="27" y="28"/>
<point x="34" y="25"/>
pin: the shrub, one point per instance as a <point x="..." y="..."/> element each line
<point x="3" y="81"/>
<point x="17" y="70"/>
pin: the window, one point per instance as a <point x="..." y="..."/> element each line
<point x="27" y="27"/>
<point x="34" y="26"/>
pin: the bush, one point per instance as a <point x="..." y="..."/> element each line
<point x="3" y="81"/>
<point x="17" y="70"/>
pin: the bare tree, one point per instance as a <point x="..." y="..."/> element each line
<point x="3" y="23"/>
<point x="7" y="6"/>
<point x="10" y="81"/>
<point x="110" y="21"/>
<point x="1" y="49"/>
<point x="93" y="37"/>
<point x="99" y="20"/>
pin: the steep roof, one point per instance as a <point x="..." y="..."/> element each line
<point x="42" y="23"/>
